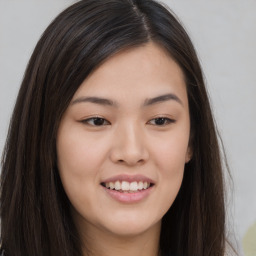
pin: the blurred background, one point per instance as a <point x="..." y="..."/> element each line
<point x="224" y="35"/>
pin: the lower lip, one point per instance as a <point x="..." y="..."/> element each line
<point x="129" y="197"/>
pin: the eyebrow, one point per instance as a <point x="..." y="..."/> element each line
<point x="147" y="102"/>
<point x="96" y="100"/>
<point x="162" y="98"/>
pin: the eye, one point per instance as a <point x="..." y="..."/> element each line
<point x="96" y="121"/>
<point x="161" y="121"/>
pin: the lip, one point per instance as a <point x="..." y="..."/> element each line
<point x="129" y="197"/>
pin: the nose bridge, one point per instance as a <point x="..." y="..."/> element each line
<point x="129" y="146"/>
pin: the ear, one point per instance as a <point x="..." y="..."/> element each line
<point x="189" y="154"/>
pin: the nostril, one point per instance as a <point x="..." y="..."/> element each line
<point x="131" y="162"/>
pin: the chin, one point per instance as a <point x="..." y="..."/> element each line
<point x="132" y="228"/>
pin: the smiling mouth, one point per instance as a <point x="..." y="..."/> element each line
<point x="127" y="187"/>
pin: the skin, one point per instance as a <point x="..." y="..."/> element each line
<point x="131" y="139"/>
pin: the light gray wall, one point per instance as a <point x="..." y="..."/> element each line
<point x="224" y="34"/>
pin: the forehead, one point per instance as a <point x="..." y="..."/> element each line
<point x="143" y="70"/>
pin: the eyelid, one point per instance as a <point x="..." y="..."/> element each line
<point x="93" y="118"/>
<point x="168" y="119"/>
<point x="103" y="121"/>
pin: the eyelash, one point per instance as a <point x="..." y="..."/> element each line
<point x="102" y="121"/>
<point x="164" y="120"/>
<point x="97" y="119"/>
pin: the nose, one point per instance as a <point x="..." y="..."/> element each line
<point x="129" y="146"/>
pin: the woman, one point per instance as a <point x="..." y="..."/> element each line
<point x="112" y="147"/>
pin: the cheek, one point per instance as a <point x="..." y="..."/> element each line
<point x="170" y="180"/>
<point x="80" y="159"/>
<point x="171" y="152"/>
<point x="79" y="154"/>
<point x="170" y="158"/>
<point x="78" y="163"/>
<point x="75" y="161"/>
<point x="171" y="162"/>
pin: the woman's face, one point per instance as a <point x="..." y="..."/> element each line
<point x="123" y="142"/>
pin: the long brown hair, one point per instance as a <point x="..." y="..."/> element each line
<point x="35" y="216"/>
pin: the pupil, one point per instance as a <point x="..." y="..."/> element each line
<point x="98" y="121"/>
<point x="160" y="121"/>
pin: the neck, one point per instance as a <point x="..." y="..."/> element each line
<point x="101" y="243"/>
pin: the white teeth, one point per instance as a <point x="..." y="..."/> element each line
<point x="127" y="186"/>
<point x="117" y="185"/>
<point x="111" y="185"/>
<point x="145" y="185"/>
<point x="134" y="186"/>
<point x="140" y="187"/>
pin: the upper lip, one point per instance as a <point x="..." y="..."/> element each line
<point x="129" y="178"/>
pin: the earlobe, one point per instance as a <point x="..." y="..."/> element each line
<point x="189" y="155"/>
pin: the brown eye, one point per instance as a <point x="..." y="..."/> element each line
<point x="161" y="121"/>
<point x="96" y="121"/>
